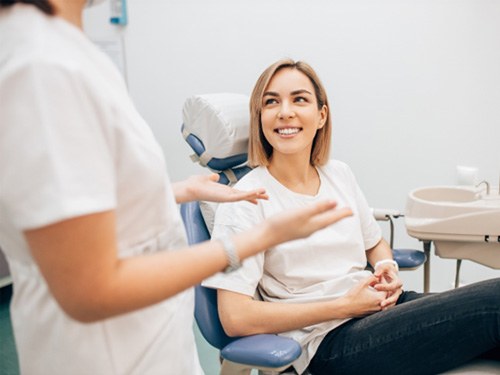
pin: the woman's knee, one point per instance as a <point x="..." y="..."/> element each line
<point x="484" y="293"/>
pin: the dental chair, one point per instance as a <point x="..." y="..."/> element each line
<point x="221" y="121"/>
<point x="269" y="353"/>
<point x="216" y="127"/>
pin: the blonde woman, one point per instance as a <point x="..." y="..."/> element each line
<point x="88" y="218"/>
<point x="317" y="290"/>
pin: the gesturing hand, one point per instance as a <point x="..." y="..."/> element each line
<point x="206" y="188"/>
<point x="302" y="222"/>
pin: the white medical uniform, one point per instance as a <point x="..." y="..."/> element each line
<point x="72" y="143"/>
<point x="321" y="267"/>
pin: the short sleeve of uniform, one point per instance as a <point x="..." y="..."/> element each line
<point x="56" y="159"/>
<point x="369" y="227"/>
<point x="232" y="218"/>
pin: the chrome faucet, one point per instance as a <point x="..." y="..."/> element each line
<point x="487" y="186"/>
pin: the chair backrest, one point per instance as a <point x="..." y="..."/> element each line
<point x="206" y="313"/>
<point x="216" y="127"/>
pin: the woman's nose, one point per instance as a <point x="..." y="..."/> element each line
<point x="286" y="111"/>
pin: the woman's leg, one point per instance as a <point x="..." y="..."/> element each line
<point x="423" y="334"/>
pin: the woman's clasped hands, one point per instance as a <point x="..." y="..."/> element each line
<point x="377" y="292"/>
<point x="389" y="282"/>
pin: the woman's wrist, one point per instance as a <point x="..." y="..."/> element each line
<point x="386" y="261"/>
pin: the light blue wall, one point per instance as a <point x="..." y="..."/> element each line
<point x="414" y="85"/>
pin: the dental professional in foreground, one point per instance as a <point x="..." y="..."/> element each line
<point x="317" y="290"/>
<point x="88" y="218"/>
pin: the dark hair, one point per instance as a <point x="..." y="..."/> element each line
<point x="44" y="5"/>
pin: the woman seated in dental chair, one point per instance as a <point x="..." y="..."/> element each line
<point x="316" y="290"/>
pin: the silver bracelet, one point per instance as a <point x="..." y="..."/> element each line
<point x="384" y="261"/>
<point x="231" y="254"/>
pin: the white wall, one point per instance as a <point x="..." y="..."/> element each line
<point x="414" y="84"/>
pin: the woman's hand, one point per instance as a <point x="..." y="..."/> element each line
<point x="206" y="188"/>
<point x="302" y="222"/>
<point x="389" y="282"/>
<point x="364" y="299"/>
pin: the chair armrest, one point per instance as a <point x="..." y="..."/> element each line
<point x="265" y="350"/>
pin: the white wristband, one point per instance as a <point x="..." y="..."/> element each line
<point x="384" y="261"/>
<point x="231" y="254"/>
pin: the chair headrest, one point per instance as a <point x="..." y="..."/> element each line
<point x="216" y="126"/>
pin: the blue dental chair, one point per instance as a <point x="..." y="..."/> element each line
<point x="264" y="352"/>
<point x="239" y="355"/>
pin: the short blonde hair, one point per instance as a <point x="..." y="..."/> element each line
<point x="259" y="149"/>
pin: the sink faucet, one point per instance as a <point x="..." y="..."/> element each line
<point x="487" y="186"/>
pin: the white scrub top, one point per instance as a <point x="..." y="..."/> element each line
<point x="72" y="143"/>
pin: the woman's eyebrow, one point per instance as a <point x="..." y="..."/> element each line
<point x="301" y="91"/>
<point x="295" y="92"/>
<point x="270" y="93"/>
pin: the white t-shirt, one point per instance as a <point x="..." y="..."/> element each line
<point x="319" y="268"/>
<point x="72" y="143"/>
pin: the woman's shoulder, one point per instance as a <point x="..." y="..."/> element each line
<point x="33" y="42"/>
<point x="28" y="35"/>
<point x="254" y="179"/>
<point x="234" y="212"/>
<point x="336" y="167"/>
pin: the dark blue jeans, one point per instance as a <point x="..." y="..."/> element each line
<point x="422" y="334"/>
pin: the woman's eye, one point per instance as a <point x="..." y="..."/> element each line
<point x="300" y="99"/>
<point x="270" y="101"/>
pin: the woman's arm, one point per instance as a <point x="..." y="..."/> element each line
<point x="241" y="315"/>
<point x="78" y="259"/>
<point x="380" y="251"/>
<point x="206" y="188"/>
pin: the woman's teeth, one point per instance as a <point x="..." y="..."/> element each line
<point x="288" y="131"/>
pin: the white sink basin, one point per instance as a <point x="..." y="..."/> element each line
<point x="445" y="194"/>
<point x="463" y="223"/>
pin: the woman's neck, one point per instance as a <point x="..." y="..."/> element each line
<point x="297" y="174"/>
<point x="71" y="11"/>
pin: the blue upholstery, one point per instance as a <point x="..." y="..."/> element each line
<point x="215" y="163"/>
<point x="269" y="351"/>
<point x="408" y="258"/>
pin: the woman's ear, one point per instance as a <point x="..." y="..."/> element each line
<point x="323" y="113"/>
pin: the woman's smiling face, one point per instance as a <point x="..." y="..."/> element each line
<point x="290" y="116"/>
